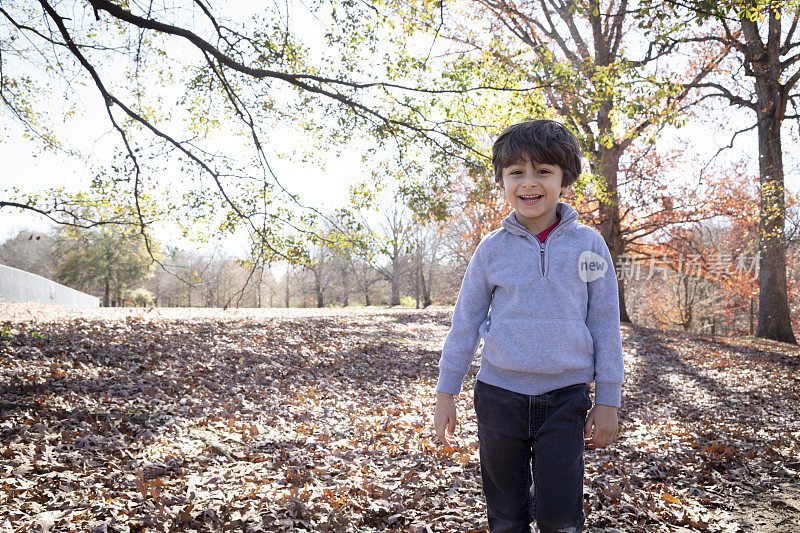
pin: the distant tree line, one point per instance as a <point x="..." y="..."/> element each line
<point x="700" y="276"/>
<point x="403" y="263"/>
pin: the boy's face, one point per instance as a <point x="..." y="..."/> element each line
<point x="533" y="191"/>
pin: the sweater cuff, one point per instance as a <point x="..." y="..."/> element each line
<point x="449" y="382"/>
<point x="607" y="393"/>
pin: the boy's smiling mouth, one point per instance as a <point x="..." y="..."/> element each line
<point x="530" y="199"/>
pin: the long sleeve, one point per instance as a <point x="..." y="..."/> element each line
<point x="602" y="319"/>
<point x="461" y="344"/>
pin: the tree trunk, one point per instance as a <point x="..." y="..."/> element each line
<point x="688" y="304"/>
<point x="395" y="278"/>
<point x="417" y="287"/>
<point x="346" y="288"/>
<point x="426" y="291"/>
<point x="318" y="288"/>
<point x="395" y="288"/>
<point x="610" y="226"/>
<point x="286" y="299"/>
<point x="774" y="321"/>
<point x="258" y="286"/>
<point x="608" y="152"/>
<point x="106" y="294"/>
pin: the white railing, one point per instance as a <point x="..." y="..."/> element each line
<point x="20" y="286"/>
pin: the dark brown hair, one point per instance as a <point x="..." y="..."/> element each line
<point x="540" y="140"/>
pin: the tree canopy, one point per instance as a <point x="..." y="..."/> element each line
<point x="175" y="78"/>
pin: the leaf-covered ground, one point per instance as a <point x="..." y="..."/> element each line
<point x="290" y="420"/>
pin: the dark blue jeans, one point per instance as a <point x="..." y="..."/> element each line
<point x="531" y="452"/>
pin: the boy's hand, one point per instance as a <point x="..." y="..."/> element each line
<point x="601" y="426"/>
<point x="444" y="418"/>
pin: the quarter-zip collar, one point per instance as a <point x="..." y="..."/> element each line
<point x="565" y="211"/>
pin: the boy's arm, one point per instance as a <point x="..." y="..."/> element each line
<point x="602" y="319"/>
<point x="462" y="340"/>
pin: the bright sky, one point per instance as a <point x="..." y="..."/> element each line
<point x="324" y="185"/>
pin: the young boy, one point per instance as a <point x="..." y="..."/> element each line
<point x="542" y="293"/>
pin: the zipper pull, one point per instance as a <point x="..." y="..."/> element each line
<point x="541" y="250"/>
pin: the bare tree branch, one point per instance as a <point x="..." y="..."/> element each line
<point x="617" y="33"/>
<point x="724" y="92"/>
<point x="729" y="145"/>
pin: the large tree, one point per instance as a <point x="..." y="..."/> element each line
<point x="762" y="77"/>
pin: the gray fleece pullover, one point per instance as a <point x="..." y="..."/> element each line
<point x="548" y="313"/>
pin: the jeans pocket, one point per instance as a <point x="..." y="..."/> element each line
<point x="580" y="402"/>
<point x="487" y="396"/>
<point x="587" y="398"/>
<point x="484" y="397"/>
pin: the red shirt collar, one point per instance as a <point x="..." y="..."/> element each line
<point x="543" y="235"/>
